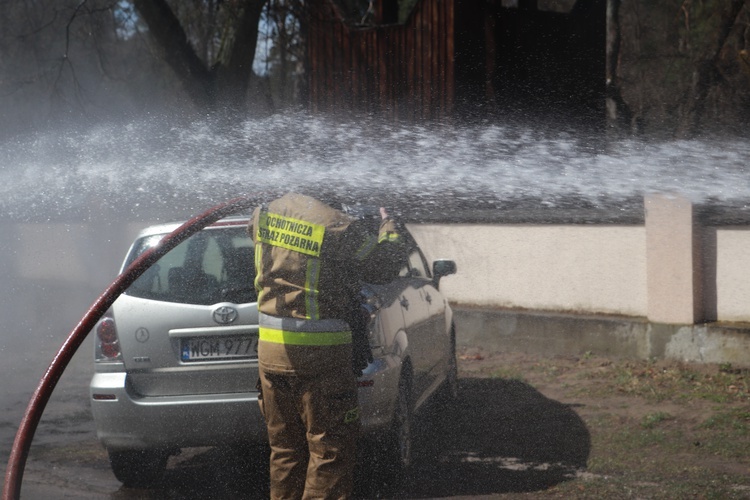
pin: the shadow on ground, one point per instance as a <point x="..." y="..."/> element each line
<point x="503" y="436"/>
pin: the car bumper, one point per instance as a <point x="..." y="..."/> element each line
<point x="126" y="422"/>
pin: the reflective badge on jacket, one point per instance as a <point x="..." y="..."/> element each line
<point x="351" y="416"/>
<point x="293" y="234"/>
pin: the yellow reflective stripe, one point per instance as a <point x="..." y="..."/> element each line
<point x="389" y="236"/>
<point x="258" y="261"/>
<point x="304" y="338"/>
<point x="367" y="247"/>
<point x="352" y="415"/>
<point x="290" y="233"/>
<point x="371" y="242"/>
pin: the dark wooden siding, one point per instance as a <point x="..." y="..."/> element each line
<point x="463" y="58"/>
<point x="405" y="71"/>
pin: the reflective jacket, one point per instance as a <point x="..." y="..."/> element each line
<point x="311" y="260"/>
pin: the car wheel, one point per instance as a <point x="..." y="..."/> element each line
<point x="138" y="468"/>
<point x="401" y="429"/>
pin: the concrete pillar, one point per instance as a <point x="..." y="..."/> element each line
<point x="673" y="260"/>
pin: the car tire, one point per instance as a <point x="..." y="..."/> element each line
<point x="401" y="438"/>
<point x="138" y="468"/>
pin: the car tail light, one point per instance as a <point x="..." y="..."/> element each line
<point x="107" y="343"/>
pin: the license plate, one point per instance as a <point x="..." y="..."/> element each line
<point x="218" y="348"/>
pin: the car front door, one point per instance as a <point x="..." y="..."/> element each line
<point x="419" y="300"/>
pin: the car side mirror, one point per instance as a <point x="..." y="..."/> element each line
<point x="442" y="267"/>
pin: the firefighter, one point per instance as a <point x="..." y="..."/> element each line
<point x="311" y="259"/>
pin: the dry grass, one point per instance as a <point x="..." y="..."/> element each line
<point x="659" y="429"/>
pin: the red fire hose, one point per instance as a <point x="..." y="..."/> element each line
<point x="25" y="433"/>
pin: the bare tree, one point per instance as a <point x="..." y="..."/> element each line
<point x="706" y="74"/>
<point x="75" y="60"/>
<point x="98" y="59"/>
<point x="228" y="31"/>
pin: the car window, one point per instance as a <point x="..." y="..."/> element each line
<point x="416" y="265"/>
<point x="213" y="265"/>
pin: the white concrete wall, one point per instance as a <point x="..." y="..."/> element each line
<point x="733" y="274"/>
<point x="583" y="269"/>
<point x="575" y="268"/>
<point x="675" y="260"/>
<point x="88" y="254"/>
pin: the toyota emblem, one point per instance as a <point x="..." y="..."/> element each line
<point x="225" y="315"/>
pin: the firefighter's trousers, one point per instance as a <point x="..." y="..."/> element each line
<point x="313" y="422"/>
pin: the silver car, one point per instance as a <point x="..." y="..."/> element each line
<point x="176" y="361"/>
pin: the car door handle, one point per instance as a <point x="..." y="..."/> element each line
<point x="404" y="303"/>
<point x="428" y="298"/>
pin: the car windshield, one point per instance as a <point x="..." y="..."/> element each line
<point x="213" y="265"/>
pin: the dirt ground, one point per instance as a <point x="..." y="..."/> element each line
<point x="526" y="427"/>
<point x="648" y="429"/>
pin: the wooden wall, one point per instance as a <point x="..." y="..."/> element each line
<point x="463" y="58"/>
<point x="405" y="71"/>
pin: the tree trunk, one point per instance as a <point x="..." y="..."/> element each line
<point x="234" y="72"/>
<point x="705" y="75"/>
<point x="619" y="115"/>
<point x="223" y="86"/>
<point x="168" y="34"/>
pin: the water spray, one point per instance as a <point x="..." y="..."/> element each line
<point x="27" y="428"/>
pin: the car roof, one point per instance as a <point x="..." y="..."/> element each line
<point x="168" y="227"/>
